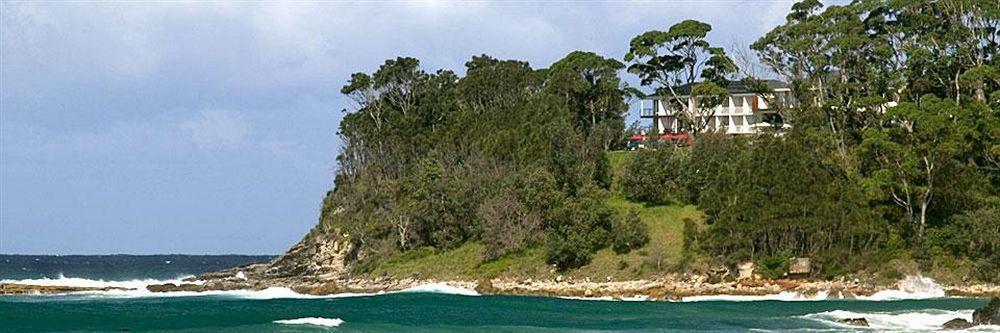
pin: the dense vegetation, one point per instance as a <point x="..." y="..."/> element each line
<point x="894" y="152"/>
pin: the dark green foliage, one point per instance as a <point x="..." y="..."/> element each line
<point x="628" y="233"/>
<point x="782" y="195"/>
<point x="773" y="266"/>
<point x="974" y="235"/>
<point x="894" y="150"/>
<point x="498" y="156"/>
<point x="580" y="226"/>
<point x="656" y="176"/>
<point x="692" y="236"/>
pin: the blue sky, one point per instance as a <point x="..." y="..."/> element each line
<point x="185" y="127"/>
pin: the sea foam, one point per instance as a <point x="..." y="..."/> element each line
<point x="137" y="288"/>
<point x="908" y="321"/>
<point x="62" y="280"/>
<point x="315" y="321"/>
<point x="440" y="288"/>
<point x="911" y="287"/>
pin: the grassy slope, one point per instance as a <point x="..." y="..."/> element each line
<point x="665" y="224"/>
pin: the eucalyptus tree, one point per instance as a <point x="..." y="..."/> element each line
<point x="590" y="86"/>
<point x="680" y="57"/>
<point x="908" y="161"/>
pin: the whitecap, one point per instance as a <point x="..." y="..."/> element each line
<point x="911" y="287"/>
<point x="910" y="320"/>
<point x="62" y="280"/>
<point x="315" y="321"/>
<point x="787" y="296"/>
<point x="578" y="298"/>
<point x="440" y="288"/>
<point x="636" y="298"/>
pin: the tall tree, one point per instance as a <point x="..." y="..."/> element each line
<point x="680" y="57"/>
<point x="590" y="86"/>
<point x="908" y="160"/>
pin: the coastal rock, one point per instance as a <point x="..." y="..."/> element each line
<point x="799" y="266"/>
<point x="989" y="315"/>
<point x="485" y="286"/>
<point x="19" y="289"/>
<point x="862" y="322"/>
<point x="746" y="271"/>
<point x="957" y="324"/>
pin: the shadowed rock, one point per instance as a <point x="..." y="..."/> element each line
<point x="957" y="324"/>
<point x="989" y="315"/>
<point x="854" y="321"/>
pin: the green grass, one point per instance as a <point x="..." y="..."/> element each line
<point x="464" y="262"/>
<point x="665" y="224"/>
<point x="661" y="254"/>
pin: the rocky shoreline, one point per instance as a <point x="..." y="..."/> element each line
<point x="316" y="266"/>
<point x="667" y="288"/>
<point x="30" y="289"/>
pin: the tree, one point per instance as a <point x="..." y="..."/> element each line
<point x="590" y="86"/>
<point x="909" y="158"/>
<point x="628" y="233"/>
<point x="676" y="59"/>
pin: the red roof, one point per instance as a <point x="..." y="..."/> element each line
<point x="674" y="136"/>
<point x="636" y="137"/>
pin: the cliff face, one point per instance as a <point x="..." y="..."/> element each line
<point x="317" y="255"/>
<point x="317" y="260"/>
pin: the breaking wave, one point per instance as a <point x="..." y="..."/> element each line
<point x="440" y="288"/>
<point x="315" y="321"/>
<point x="137" y="288"/>
<point x="62" y="280"/>
<point x="911" y="287"/>
<point x="782" y="296"/>
<point x="907" y="321"/>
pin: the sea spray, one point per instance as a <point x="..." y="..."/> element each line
<point x="920" y="320"/>
<point x="911" y="287"/>
<point x="315" y="321"/>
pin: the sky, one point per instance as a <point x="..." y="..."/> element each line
<point x="210" y="127"/>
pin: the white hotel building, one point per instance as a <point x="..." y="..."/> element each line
<point x="744" y="112"/>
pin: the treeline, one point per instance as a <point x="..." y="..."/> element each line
<point x="508" y="155"/>
<point x="893" y="150"/>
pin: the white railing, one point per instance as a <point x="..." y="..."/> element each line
<point x="647" y="108"/>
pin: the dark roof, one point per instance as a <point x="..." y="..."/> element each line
<point x="735" y="87"/>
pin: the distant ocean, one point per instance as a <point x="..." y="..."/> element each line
<point x="428" y="309"/>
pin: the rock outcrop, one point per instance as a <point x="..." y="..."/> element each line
<point x="957" y="324"/>
<point x="316" y="264"/>
<point x="18" y="289"/>
<point x="862" y="322"/>
<point x="988" y="315"/>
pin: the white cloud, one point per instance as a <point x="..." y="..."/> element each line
<point x="217" y="130"/>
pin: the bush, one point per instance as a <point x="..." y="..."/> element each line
<point x="628" y="233"/>
<point x="578" y="228"/>
<point x="507" y="226"/>
<point x="974" y="235"/>
<point x="773" y="266"/>
<point x="567" y="248"/>
<point x="655" y="176"/>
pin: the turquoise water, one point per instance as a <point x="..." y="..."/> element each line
<point x="436" y="312"/>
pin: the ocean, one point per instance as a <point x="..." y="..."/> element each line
<point x="434" y="308"/>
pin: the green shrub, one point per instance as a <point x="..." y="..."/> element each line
<point x="578" y="228"/>
<point x="655" y="176"/>
<point x="628" y="232"/>
<point x="773" y="266"/>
